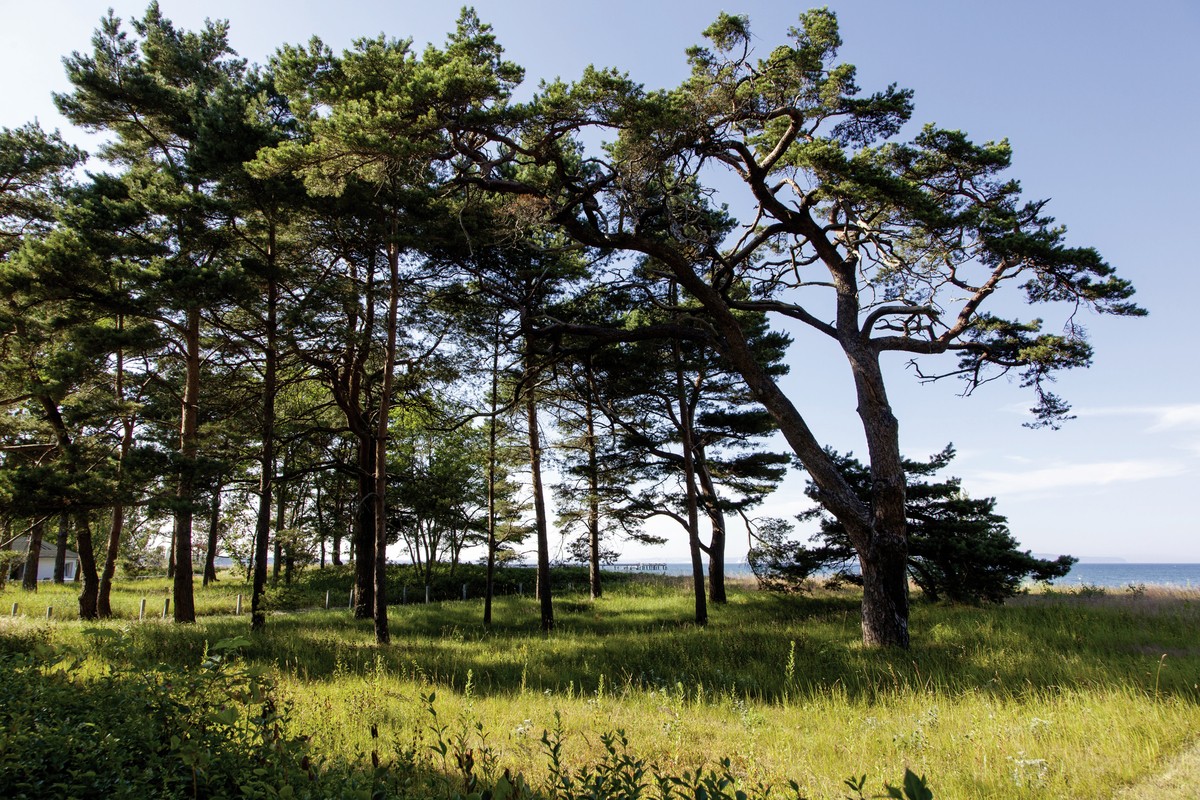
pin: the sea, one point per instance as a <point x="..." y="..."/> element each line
<point x="1107" y="575"/>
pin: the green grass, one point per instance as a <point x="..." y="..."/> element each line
<point x="1053" y="695"/>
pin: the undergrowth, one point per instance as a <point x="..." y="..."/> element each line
<point x="1062" y="694"/>
<point x="221" y="730"/>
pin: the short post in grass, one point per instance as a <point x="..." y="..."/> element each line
<point x="351" y="606"/>
<point x="521" y="589"/>
<point x="404" y="595"/>
<point x="237" y="610"/>
<point x="49" y="612"/>
<point x="326" y="599"/>
<point x="14" y="611"/>
<point x="166" y="607"/>
<point x="142" y="611"/>
<point x="464" y="591"/>
<point x="427" y="593"/>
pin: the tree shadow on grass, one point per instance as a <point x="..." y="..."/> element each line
<point x="759" y="646"/>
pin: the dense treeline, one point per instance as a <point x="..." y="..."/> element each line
<point x="331" y="303"/>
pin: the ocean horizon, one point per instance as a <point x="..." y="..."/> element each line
<point x="1109" y="575"/>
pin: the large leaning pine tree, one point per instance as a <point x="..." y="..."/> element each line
<point x="871" y="244"/>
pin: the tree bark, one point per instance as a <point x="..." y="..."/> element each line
<point x="382" y="634"/>
<point x="189" y="449"/>
<point x="364" y="533"/>
<point x="878" y="534"/>
<point x="83" y="533"/>
<point x="33" y="554"/>
<point x="60" y="549"/>
<point x="214" y="530"/>
<point x="335" y="552"/>
<point x="117" y="523"/>
<point x="692" y="496"/>
<point x="90" y="590"/>
<point x="266" y="456"/>
<point x="115" y="531"/>
<point x="716" y="545"/>
<point x="280" y="523"/>
<point x="535" y="470"/>
<point x="593" y="508"/>
<point x="494" y="402"/>
<point x="111" y="552"/>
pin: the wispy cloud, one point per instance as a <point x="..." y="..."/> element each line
<point x="1181" y="419"/>
<point x="1183" y="416"/>
<point x="1171" y="418"/>
<point x="1061" y="476"/>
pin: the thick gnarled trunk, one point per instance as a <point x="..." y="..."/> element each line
<point x="877" y="533"/>
<point x="885" y="594"/>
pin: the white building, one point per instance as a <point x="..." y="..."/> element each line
<point x="45" y="561"/>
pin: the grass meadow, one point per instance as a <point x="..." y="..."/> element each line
<point x="1055" y="694"/>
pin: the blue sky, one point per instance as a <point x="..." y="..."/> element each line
<point x="1100" y="103"/>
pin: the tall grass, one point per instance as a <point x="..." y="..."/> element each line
<point x="1065" y="695"/>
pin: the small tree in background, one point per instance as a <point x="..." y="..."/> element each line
<point x="960" y="549"/>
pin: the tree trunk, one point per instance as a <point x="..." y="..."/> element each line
<point x="871" y="530"/>
<point x="693" y="501"/>
<point x="214" y="530"/>
<point x="885" y="597"/>
<point x="280" y="524"/>
<point x="90" y="590"/>
<point x="716" y="566"/>
<point x="335" y="551"/>
<point x="321" y="523"/>
<point x="83" y="535"/>
<point x="111" y="552"/>
<point x="364" y="533"/>
<point x="266" y="456"/>
<point x="593" y="509"/>
<point x="716" y="546"/>
<point x="117" y="524"/>
<point x="60" y="549"/>
<point x="885" y="558"/>
<point x="189" y="448"/>
<point x="33" y="555"/>
<point x="494" y="401"/>
<point x="382" y="634"/>
<point x="535" y="470"/>
<point x="116" y="529"/>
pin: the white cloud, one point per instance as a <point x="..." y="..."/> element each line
<point x="1169" y="418"/>
<point x="1061" y="476"/>
<point x="1182" y="420"/>
<point x="1162" y="418"/>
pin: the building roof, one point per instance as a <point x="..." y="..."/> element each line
<point x="49" y="550"/>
